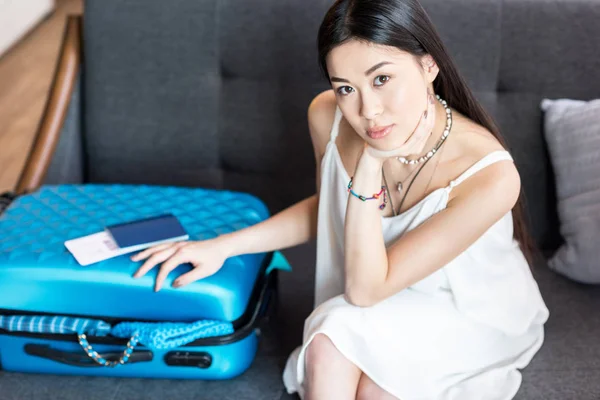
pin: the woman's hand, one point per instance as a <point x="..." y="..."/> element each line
<point x="416" y="142"/>
<point x="207" y="257"/>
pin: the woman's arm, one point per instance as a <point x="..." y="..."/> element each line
<point x="293" y="226"/>
<point x="374" y="272"/>
<point x="364" y="248"/>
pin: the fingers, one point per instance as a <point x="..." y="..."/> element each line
<point x="424" y="128"/>
<point x="382" y="154"/>
<point x="417" y="140"/>
<point x="149" y="251"/>
<point x="431" y="111"/>
<point x="157" y="257"/>
<point x="418" y="136"/>
<point x="173" y="262"/>
<point x="428" y="122"/>
<point x="170" y="255"/>
<point x="191" y="276"/>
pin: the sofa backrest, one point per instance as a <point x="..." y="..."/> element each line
<point x="215" y="93"/>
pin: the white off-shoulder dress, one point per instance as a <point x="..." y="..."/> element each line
<point x="462" y="333"/>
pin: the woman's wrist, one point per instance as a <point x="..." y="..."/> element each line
<point x="371" y="163"/>
<point x="368" y="168"/>
<point x="226" y="244"/>
<point x="367" y="178"/>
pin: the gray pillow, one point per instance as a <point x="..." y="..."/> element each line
<point x="572" y="132"/>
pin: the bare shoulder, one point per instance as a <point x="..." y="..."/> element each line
<point x="471" y="140"/>
<point x="498" y="184"/>
<point x="321" y="114"/>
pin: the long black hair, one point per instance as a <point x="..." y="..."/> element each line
<point x="404" y="24"/>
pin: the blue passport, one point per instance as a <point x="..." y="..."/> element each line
<point x="148" y="232"/>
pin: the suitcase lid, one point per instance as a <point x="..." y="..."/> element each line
<point x="38" y="273"/>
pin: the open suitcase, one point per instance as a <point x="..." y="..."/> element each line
<point x="39" y="277"/>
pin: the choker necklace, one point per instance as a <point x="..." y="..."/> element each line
<point x="439" y="143"/>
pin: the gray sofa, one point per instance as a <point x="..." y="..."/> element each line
<point x="214" y="94"/>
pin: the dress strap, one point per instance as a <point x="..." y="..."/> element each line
<point x="335" y="129"/>
<point x="486" y="161"/>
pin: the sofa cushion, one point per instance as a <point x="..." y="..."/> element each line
<point x="215" y="94"/>
<point x="572" y="131"/>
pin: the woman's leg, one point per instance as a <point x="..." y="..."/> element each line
<point x="329" y="375"/>
<point x="369" y="390"/>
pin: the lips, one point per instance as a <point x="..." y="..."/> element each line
<point x="379" y="132"/>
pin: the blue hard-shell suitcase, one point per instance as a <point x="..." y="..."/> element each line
<point x="38" y="276"/>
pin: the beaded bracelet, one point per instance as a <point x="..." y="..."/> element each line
<point x="374" y="197"/>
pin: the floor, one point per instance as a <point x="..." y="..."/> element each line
<point x="26" y="72"/>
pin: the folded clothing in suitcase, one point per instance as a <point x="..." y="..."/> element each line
<point x="40" y="279"/>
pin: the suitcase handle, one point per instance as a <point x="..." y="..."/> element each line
<point x="79" y="360"/>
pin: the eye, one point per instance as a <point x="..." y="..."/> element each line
<point x="342" y="92"/>
<point x="381" y="78"/>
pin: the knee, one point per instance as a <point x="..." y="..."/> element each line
<point x="365" y="390"/>
<point x="320" y="351"/>
<point x="369" y="390"/>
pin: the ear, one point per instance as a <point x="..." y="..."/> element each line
<point x="430" y="68"/>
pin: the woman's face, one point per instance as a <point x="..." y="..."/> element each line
<point x="382" y="91"/>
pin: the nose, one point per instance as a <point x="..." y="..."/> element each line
<point x="371" y="105"/>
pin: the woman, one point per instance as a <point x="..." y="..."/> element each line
<point x="423" y="287"/>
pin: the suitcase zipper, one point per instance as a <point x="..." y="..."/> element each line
<point x="262" y="295"/>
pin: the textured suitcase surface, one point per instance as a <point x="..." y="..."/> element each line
<point x="37" y="273"/>
<point x="39" y="276"/>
